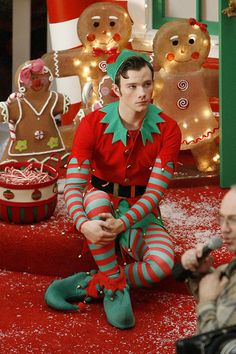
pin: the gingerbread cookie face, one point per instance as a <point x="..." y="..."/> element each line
<point x="181" y="46"/>
<point x="104" y="26"/>
<point x="33" y="77"/>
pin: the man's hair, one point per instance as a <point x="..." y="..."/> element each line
<point x="133" y="63"/>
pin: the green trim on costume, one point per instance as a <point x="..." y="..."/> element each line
<point x="115" y="126"/>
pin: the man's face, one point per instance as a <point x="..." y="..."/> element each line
<point x="228" y="220"/>
<point x="135" y="92"/>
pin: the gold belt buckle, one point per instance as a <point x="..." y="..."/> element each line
<point x="116" y="190"/>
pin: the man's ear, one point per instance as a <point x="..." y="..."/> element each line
<point x="116" y="90"/>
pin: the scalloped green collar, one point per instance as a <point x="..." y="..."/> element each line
<point x="115" y="126"/>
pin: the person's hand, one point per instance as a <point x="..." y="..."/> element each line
<point x="190" y="260"/>
<point x="95" y="231"/>
<point x="112" y="224"/>
<point x="211" y="286"/>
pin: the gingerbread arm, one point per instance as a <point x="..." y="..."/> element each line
<point x="61" y="63"/>
<point x="4" y="113"/>
<point x="211" y="82"/>
<point x="157" y="89"/>
<point x="9" y="112"/>
<point x="62" y="104"/>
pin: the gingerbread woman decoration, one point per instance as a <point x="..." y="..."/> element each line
<point x="104" y="28"/>
<point x="182" y="87"/>
<point x="30" y="114"/>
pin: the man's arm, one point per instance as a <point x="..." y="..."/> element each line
<point x="159" y="179"/>
<point x="157" y="184"/>
<point x="76" y="182"/>
<point x="215" y="309"/>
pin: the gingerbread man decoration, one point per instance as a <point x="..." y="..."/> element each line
<point x="30" y="114"/>
<point x="230" y="11"/>
<point x="182" y="87"/>
<point x="104" y="28"/>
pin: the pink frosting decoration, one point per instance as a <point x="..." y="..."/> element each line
<point x="35" y="67"/>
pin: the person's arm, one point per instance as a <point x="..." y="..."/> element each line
<point x="76" y="183"/>
<point x="159" y="180"/>
<point x="215" y="310"/>
<point x="157" y="184"/>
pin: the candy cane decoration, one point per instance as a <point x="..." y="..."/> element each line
<point x="63" y="17"/>
<point x="27" y="176"/>
<point x="12" y="130"/>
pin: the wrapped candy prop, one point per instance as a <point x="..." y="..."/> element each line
<point x="182" y="87"/>
<point x="30" y="114"/>
<point x="104" y="28"/>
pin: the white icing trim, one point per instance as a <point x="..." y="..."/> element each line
<point x="42" y="109"/>
<point x="56" y="63"/>
<point x="41" y="152"/>
<point x="4" y="113"/>
<point x="66" y="104"/>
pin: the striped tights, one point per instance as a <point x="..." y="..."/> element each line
<point x="152" y="251"/>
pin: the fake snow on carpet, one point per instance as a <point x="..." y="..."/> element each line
<point x="191" y="217"/>
<point x="27" y="325"/>
<point x="163" y="313"/>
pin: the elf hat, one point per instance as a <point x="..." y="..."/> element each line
<point x="113" y="66"/>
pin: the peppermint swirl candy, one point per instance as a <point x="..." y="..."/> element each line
<point x="183" y="103"/>
<point x="103" y="66"/>
<point x="39" y="134"/>
<point x="183" y="85"/>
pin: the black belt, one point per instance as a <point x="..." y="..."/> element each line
<point x="117" y="189"/>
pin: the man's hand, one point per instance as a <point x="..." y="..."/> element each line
<point x="190" y="260"/>
<point x="96" y="232"/>
<point x="112" y="224"/>
<point x="211" y="286"/>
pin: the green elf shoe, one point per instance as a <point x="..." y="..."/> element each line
<point x="73" y="288"/>
<point x="117" y="303"/>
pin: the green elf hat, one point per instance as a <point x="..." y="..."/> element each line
<point x="115" y="61"/>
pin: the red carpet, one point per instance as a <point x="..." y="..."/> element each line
<point x="49" y="249"/>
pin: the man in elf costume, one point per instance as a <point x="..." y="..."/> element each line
<point x="128" y="149"/>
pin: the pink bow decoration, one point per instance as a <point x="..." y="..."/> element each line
<point x="35" y="67"/>
<point x="203" y="26"/>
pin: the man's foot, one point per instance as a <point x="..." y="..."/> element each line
<point x="118" y="309"/>
<point x="83" y="287"/>
<point x="117" y="303"/>
<point x="72" y="288"/>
